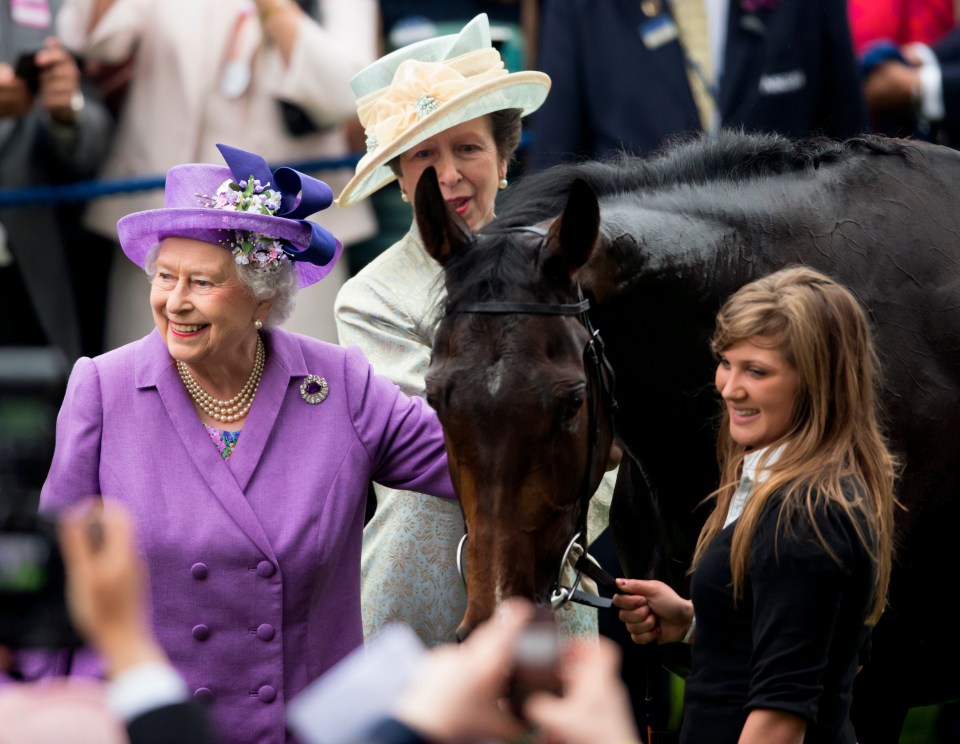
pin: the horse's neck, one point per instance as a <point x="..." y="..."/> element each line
<point x="653" y="241"/>
<point x="656" y="277"/>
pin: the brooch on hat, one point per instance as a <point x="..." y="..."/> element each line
<point x="314" y="389"/>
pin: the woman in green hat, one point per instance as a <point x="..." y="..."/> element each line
<point x="446" y="103"/>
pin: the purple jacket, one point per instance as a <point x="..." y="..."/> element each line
<point x="255" y="562"/>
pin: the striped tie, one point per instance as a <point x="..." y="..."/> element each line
<point x="691" y="20"/>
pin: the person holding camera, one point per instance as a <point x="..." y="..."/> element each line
<point x="145" y="701"/>
<point x="53" y="129"/>
<point x="469" y="692"/>
<point x="242" y="450"/>
<point x="792" y="567"/>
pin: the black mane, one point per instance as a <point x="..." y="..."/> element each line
<point x="732" y="155"/>
<point x="494" y="269"/>
<point x="498" y="267"/>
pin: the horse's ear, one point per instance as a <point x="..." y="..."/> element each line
<point x="444" y="233"/>
<point x="573" y="235"/>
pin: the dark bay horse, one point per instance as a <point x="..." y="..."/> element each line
<point x="656" y="246"/>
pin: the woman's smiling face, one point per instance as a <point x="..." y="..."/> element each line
<point x="468" y="167"/>
<point x="201" y="308"/>
<point x="759" y="388"/>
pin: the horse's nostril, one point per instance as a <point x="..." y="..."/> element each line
<point x="463" y="633"/>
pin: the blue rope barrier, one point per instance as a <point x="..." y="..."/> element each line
<point x="87" y="190"/>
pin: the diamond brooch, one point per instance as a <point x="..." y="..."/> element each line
<point x="314" y="389"/>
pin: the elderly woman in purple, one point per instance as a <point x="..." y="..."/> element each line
<point x="243" y="451"/>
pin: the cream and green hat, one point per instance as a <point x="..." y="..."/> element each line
<point x="428" y="87"/>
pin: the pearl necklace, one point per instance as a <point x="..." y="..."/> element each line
<point x="226" y="410"/>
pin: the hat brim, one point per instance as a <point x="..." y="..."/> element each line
<point x="523" y="90"/>
<point x="141" y="231"/>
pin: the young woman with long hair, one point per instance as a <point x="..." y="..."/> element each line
<point x="792" y="566"/>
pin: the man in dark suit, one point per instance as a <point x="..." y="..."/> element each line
<point x="625" y="76"/>
<point x="621" y="79"/>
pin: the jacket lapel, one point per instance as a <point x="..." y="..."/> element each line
<point x="746" y="34"/>
<point x="155" y="368"/>
<point x="284" y="367"/>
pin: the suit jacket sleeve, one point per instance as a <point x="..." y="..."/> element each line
<point x="800" y="595"/>
<point x="843" y="111"/>
<point x="948" y="55"/>
<point x="391" y="731"/>
<point x="181" y="723"/>
<point x="557" y="129"/>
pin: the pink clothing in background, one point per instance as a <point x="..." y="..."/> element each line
<point x="899" y="21"/>
<point x="56" y="712"/>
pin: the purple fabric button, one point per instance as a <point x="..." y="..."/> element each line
<point x="266" y="632"/>
<point x="201" y="632"/>
<point x="265" y="569"/>
<point x="267" y="694"/>
<point x="203" y="694"/>
<point x="199" y="571"/>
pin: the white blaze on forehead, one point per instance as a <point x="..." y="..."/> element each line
<point x="495" y="376"/>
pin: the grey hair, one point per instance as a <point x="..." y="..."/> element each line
<point x="278" y="285"/>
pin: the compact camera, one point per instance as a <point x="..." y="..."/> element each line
<point x="536" y="660"/>
<point x="33" y="607"/>
<point x="28" y="71"/>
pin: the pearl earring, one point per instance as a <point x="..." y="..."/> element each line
<point x="258" y="324"/>
<point x="403" y="197"/>
<point x="503" y="183"/>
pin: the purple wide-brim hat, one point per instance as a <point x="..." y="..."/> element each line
<point x="190" y="187"/>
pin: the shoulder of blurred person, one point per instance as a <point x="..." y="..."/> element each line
<point x="57" y="712"/>
<point x="76" y="711"/>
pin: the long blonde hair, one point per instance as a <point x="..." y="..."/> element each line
<point x="834" y="439"/>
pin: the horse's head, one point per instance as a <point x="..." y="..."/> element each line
<point x="518" y="387"/>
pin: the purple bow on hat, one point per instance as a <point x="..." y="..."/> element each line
<point x="314" y="195"/>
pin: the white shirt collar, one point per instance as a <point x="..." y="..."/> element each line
<point x="750" y="479"/>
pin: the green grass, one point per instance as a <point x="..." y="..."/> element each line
<point x="920" y="726"/>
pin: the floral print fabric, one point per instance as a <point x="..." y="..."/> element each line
<point x="224" y="441"/>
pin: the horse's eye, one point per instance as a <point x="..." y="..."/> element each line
<point x="571" y="406"/>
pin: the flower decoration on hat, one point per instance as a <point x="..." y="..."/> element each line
<point x="420" y="88"/>
<point x="426" y="87"/>
<point x="285" y="193"/>
<point x="251" y="196"/>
